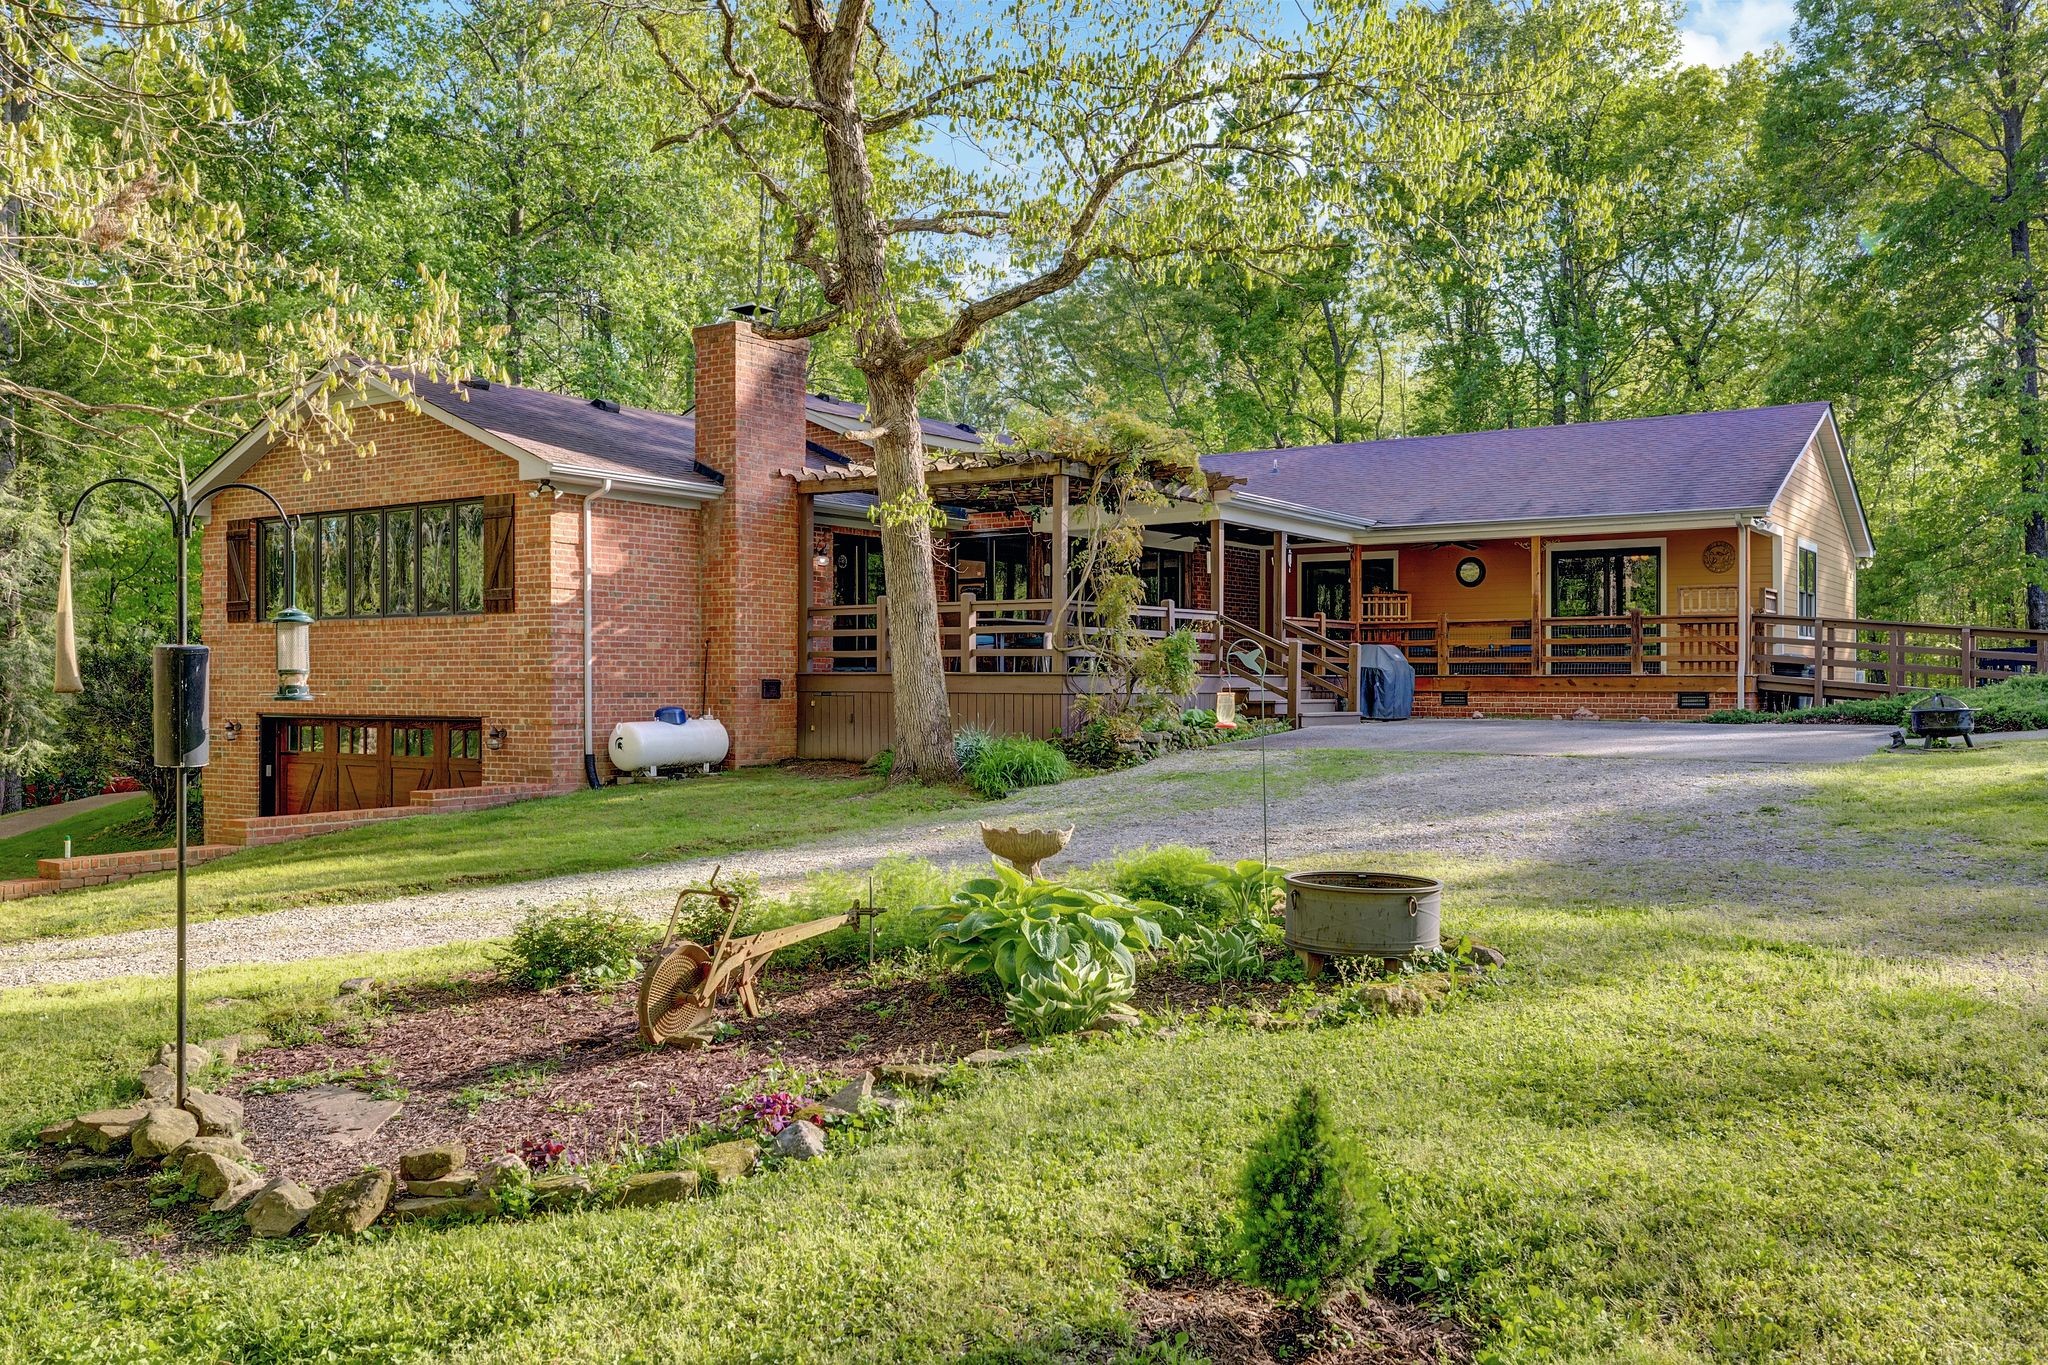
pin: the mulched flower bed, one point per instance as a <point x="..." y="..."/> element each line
<point x="493" y="1065"/>
<point x="1233" y="1324"/>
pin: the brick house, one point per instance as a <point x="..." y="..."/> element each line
<point x="724" y="560"/>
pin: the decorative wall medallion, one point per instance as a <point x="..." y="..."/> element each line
<point x="1718" y="557"/>
<point x="1471" y="572"/>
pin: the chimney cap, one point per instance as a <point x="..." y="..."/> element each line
<point x="751" y="311"/>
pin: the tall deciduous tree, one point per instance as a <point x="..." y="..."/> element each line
<point x="1924" y="122"/>
<point x="1074" y="134"/>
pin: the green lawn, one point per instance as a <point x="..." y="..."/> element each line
<point x="1669" y="1133"/>
<point x="584" y="831"/>
<point x="115" y="827"/>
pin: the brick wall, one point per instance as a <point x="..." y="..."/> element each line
<point x="750" y="426"/>
<point x="1560" y="702"/>
<point x="521" y="670"/>
<point x="1242" y="584"/>
<point x="497" y="667"/>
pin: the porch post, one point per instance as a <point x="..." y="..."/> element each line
<point x="1218" y="552"/>
<point x="806" y="573"/>
<point x="1057" y="620"/>
<point x="1277" y="627"/>
<point x="1538" y="646"/>
<point x="1357" y="583"/>
<point x="1742" y="613"/>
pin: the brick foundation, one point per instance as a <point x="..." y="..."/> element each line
<point x="1559" y="703"/>
<point x="277" y="829"/>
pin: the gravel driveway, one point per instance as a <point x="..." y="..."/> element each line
<point x="1632" y="816"/>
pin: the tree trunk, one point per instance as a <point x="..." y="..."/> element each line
<point x="2033" y="471"/>
<point x="923" y="714"/>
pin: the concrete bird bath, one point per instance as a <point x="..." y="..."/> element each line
<point x="1025" y="849"/>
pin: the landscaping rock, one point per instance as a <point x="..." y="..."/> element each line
<point x="847" y="1100"/>
<point x="229" y="1147"/>
<point x="561" y="1189"/>
<point x="161" y="1132"/>
<point x="215" y="1175"/>
<point x="800" y="1141"/>
<point x="431" y="1163"/>
<point x="912" y="1075"/>
<point x="89" y="1168"/>
<point x="218" y="1115"/>
<point x="657" y="1187"/>
<point x="443" y="1186"/>
<point x="159" y="1082"/>
<point x="1483" y="956"/>
<point x="1116" y="1021"/>
<point x="105" y="1129"/>
<point x="338" y="1114"/>
<point x="998" y="1056"/>
<point x="351" y="1206"/>
<point x="1385" y="998"/>
<point x="356" y="985"/>
<point x="435" y="1210"/>
<point x="234" y="1196"/>
<point x="729" y="1162"/>
<point x="197" y="1058"/>
<point x="500" y="1170"/>
<point x="278" y="1208"/>
<point x="62" y="1133"/>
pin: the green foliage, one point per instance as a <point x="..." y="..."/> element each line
<point x="1308" y="1213"/>
<point x="2016" y="704"/>
<point x="1180" y="878"/>
<point x="1236" y="953"/>
<point x="552" y="947"/>
<point x="1252" y="889"/>
<point x="1011" y="762"/>
<point x="1093" y="745"/>
<point x="701" y="919"/>
<point x="1055" y="950"/>
<point x="1071" y="992"/>
<point x="969" y="742"/>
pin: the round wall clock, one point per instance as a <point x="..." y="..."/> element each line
<point x="1718" y="557"/>
<point x="1471" y="572"/>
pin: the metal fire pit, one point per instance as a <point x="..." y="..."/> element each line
<point x="1361" y="914"/>
<point x="1939" y="716"/>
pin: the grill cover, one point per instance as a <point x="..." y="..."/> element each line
<point x="1389" y="682"/>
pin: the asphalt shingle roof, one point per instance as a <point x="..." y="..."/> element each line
<point x="1700" y="462"/>
<point x="561" y="428"/>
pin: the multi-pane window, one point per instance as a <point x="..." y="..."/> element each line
<point x="356" y="739"/>
<point x="412" y="741"/>
<point x="465" y="741"/>
<point x="419" y="560"/>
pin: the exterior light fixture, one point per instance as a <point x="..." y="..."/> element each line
<point x="231" y="730"/>
<point x="545" y="486"/>
<point x="494" y="738"/>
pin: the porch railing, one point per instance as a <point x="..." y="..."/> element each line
<point x="1823" y="656"/>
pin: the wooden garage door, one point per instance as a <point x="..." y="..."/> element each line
<point x="363" y="762"/>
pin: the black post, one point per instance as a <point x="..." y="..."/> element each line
<point x="182" y="520"/>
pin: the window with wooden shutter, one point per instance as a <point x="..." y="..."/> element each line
<point x="241" y="569"/>
<point x="499" y="560"/>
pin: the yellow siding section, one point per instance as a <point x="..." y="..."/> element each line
<point x="1808" y="510"/>
<point x="1430" y="574"/>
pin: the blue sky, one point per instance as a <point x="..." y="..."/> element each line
<point x="1716" y="32"/>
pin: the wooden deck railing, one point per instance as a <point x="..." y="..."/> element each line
<point x="1823" y="657"/>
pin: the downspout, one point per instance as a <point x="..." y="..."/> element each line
<point x="589" y="718"/>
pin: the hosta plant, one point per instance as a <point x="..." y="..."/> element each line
<point x="1014" y="927"/>
<point x="1252" y="888"/>
<point x="1070" y="994"/>
<point x="1233" y="954"/>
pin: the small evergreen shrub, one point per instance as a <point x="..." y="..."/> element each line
<point x="551" y="947"/>
<point x="1012" y="762"/>
<point x="1308" y="1215"/>
<point x="2018" y="703"/>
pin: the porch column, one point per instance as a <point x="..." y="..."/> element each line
<point x="1057" y="526"/>
<point x="1742" y="612"/>
<point x="806" y="574"/>
<point x="1219" y="553"/>
<point x="1357" y="583"/>
<point x="1278" y="625"/>
<point x="1539" y="648"/>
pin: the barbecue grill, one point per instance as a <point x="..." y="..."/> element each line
<point x="1939" y="716"/>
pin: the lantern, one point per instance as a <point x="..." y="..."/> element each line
<point x="294" y="654"/>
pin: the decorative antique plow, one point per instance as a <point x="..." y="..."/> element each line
<point x="680" y="991"/>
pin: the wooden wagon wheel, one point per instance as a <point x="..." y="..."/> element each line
<point x="669" y="1009"/>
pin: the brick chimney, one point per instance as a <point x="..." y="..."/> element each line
<point x="750" y="426"/>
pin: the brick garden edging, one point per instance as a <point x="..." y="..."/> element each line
<point x="99" y="869"/>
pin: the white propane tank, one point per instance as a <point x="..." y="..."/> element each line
<point x="650" y="744"/>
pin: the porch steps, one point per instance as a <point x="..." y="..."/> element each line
<point x="1270" y="701"/>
